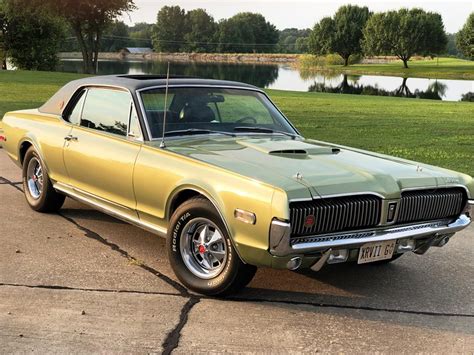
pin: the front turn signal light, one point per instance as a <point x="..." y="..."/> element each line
<point x="245" y="216"/>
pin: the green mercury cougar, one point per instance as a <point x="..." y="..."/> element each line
<point x="218" y="170"/>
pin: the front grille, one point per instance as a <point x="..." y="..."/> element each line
<point x="427" y="205"/>
<point x="335" y="214"/>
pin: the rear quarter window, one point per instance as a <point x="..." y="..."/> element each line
<point x="75" y="113"/>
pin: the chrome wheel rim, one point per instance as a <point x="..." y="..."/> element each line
<point x="34" y="176"/>
<point x="203" y="248"/>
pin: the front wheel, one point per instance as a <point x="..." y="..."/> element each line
<point x="201" y="252"/>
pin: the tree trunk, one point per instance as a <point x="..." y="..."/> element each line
<point x="4" y="64"/>
<point x="346" y="60"/>
<point x="405" y="63"/>
<point x="96" y="52"/>
<point x="86" y="52"/>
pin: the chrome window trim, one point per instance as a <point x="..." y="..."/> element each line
<point x="66" y="106"/>
<point x="109" y="87"/>
<point x="86" y="91"/>
<point x="86" y="87"/>
<point x="142" y="107"/>
<point x="138" y="138"/>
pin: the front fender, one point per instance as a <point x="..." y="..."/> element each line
<point x="249" y="240"/>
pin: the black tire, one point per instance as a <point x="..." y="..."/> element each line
<point x="234" y="274"/>
<point x="48" y="200"/>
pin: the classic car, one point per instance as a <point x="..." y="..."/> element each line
<point x="216" y="168"/>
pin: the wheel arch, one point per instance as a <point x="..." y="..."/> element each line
<point x="185" y="192"/>
<point x="22" y="149"/>
<point x="24" y="144"/>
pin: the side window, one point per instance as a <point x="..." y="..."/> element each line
<point x="107" y="110"/>
<point x="75" y="115"/>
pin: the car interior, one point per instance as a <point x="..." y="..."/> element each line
<point x="186" y="111"/>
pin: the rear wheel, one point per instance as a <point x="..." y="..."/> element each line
<point x="201" y="252"/>
<point x="37" y="186"/>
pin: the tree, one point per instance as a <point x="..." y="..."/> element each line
<point x="465" y="38"/>
<point x="115" y="37"/>
<point x="451" y="48"/>
<point x="302" y="45"/>
<point x="3" y="34"/>
<point x="289" y="39"/>
<point x="246" y="32"/>
<point x="201" y="28"/>
<point x="435" y="39"/>
<point x="168" y="33"/>
<point x="349" y="22"/>
<point x="404" y="33"/>
<point x="30" y="37"/>
<point x="141" y="34"/>
<point x="88" y="19"/>
<point x="341" y="34"/>
<point x="321" y="38"/>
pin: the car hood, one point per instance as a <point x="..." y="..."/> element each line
<point x="322" y="169"/>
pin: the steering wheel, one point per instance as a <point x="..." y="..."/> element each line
<point x="247" y="119"/>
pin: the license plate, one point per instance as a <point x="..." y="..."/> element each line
<point x="376" y="251"/>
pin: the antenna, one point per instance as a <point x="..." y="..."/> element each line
<point x="162" y="144"/>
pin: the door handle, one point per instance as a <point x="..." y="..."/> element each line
<point x="70" y="137"/>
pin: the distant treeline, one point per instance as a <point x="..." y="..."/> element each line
<point x="196" y="31"/>
<point x="409" y="31"/>
<point x="33" y="31"/>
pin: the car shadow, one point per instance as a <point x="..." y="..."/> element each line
<point x="405" y="290"/>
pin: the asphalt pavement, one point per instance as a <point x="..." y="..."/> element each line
<point x="80" y="281"/>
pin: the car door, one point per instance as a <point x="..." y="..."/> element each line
<point x="101" y="150"/>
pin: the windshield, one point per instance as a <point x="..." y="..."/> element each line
<point x="212" y="110"/>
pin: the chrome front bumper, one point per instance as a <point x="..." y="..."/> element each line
<point x="281" y="244"/>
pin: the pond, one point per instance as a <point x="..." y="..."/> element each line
<point x="285" y="77"/>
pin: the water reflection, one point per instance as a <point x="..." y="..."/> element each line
<point x="468" y="96"/>
<point x="434" y="91"/>
<point x="285" y="77"/>
<point x="258" y="75"/>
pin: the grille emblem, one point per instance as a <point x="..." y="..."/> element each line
<point x="309" y="221"/>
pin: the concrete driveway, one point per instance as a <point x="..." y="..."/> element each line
<point x="80" y="281"/>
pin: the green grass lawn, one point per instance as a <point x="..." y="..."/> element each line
<point x="434" y="132"/>
<point x="442" y="68"/>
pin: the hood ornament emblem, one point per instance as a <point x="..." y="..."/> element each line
<point x="419" y="169"/>
<point x="298" y="176"/>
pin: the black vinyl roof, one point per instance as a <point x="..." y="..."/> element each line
<point x="56" y="104"/>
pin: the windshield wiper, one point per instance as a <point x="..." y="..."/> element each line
<point x="192" y="131"/>
<point x="263" y="130"/>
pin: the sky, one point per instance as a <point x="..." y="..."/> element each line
<point x="302" y="13"/>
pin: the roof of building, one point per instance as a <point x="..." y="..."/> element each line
<point x="138" y="50"/>
<point x="56" y="104"/>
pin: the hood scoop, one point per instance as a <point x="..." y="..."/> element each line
<point x="287" y="148"/>
<point x="289" y="151"/>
